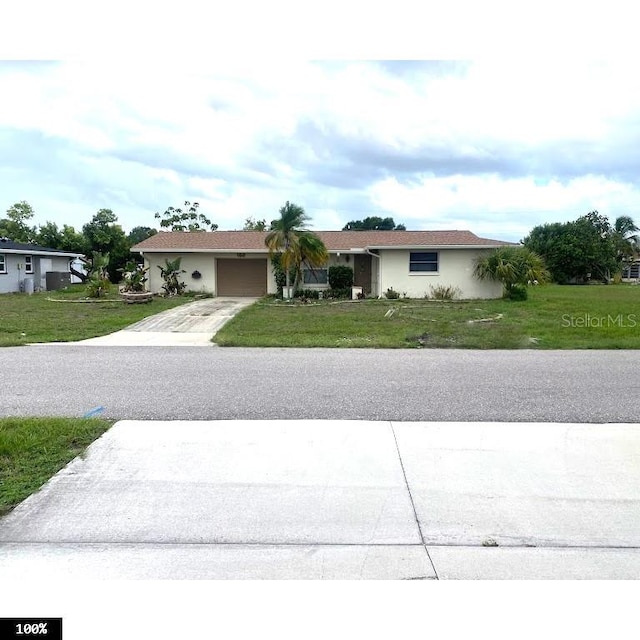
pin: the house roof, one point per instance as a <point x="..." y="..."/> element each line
<point x="9" y="246"/>
<point x="253" y="241"/>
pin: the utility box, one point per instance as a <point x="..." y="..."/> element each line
<point x="57" y="280"/>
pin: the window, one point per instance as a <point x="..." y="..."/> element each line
<point x="28" y="264"/>
<point x="423" y="261"/>
<point x="314" y="276"/>
<point x="3" y="264"/>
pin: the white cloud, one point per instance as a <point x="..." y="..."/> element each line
<point x="467" y="143"/>
<point x="505" y="207"/>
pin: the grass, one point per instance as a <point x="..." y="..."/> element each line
<point x="554" y="317"/>
<point x="66" y="315"/>
<point x="34" y="449"/>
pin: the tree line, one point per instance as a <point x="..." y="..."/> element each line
<point x="589" y="248"/>
<point x="102" y="236"/>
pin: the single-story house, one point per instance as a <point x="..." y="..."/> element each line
<point x="235" y="263"/>
<point x="30" y="267"/>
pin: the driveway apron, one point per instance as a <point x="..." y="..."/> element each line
<point x="189" y="325"/>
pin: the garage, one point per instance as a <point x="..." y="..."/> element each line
<point x="241" y="277"/>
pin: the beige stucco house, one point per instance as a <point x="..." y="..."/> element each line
<point x="235" y="263"/>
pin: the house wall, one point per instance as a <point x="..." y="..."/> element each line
<point x="334" y="259"/>
<point x="205" y="263"/>
<point x="10" y="281"/>
<point x="455" y="267"/>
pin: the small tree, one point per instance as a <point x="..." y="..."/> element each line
<point x="514" y="267"/>
<point x="626" y="241"/>
<point x="134" y="277"/>
<point x="102" y="234"/>
<point x="279" y="274"/>
<point x="15" y="226"/>
<point x="294" y="244"/>
<point x="171" y="275"/>
<point x="250" y="224"/>
<point x="373" y="223"/>
<point x="98" y="283"/>
<point x="138" y="234"/>
<point x="185" y="219"/>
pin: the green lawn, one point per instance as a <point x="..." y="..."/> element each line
<point x="34" y="449"/>
<point x="65" y="315"/>
<point x="554" y="317"/>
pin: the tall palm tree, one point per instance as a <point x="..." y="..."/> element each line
<point x="290" y="239"/>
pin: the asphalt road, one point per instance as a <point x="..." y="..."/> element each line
<point x="196" y="383"/>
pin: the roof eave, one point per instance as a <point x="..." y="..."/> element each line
<point x="348" y="250"/>
<point x="195" y="250"/>
<point x="438" y="246"/>
<point x="57" y="254"/>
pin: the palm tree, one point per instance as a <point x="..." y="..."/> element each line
<point x="514" y="267"/>
<point x="290" y="239"/>
<point x="626" y="240"/>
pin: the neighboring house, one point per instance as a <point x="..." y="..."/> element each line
<point x="24" y="267"/>
<point x="235" y="263"/>
<point x="79" y="266"/>
<point x="631" y="271"/>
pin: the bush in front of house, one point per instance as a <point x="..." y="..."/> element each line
<point x="517" y="293"/>
<point x="443" y="292"/>
<point x="337" y="294"/>
<point x="340" y="277"/>
<point x="171" y="273"/>
<point x="98" y="283"/>
<point x="310" y="294"/>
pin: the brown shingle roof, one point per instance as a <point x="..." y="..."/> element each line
<point x="180" y="241"/>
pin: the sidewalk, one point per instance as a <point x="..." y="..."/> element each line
<point x="336" y="500"/>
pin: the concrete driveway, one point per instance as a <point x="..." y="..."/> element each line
<point x="189" y="325"/>
<point x="336" y="500"/>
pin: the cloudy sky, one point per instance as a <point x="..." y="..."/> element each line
<point x="495" y="146"/>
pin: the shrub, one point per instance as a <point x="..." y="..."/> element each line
<point x="514" y="267"/>
<point x="517" y="292"/>
<point x="98" y="283"/>
<point x="98" y="286"/>
<point x="337" y="293"/>
<point x="134" y="277"/>
<point x="311" y="294"/>
<point x="171" y="275"/>
<point x="443" y="292"/>
<point x="390" y="294"/>
<point x="340" y="277"/>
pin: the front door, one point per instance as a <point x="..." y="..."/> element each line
<point x="362" y="272"/>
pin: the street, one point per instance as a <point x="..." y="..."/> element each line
<point x="195" y="383"/>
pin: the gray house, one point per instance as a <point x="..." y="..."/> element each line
<point x="29" y="267"/>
